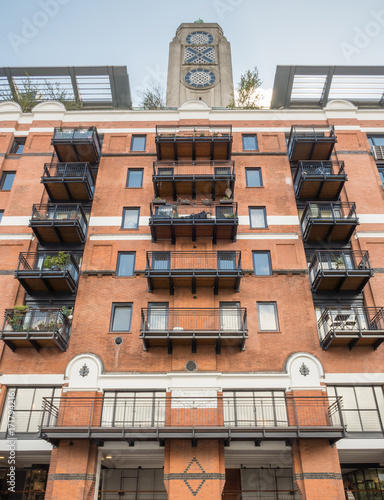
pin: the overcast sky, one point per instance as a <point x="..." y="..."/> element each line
<point x="137" y="33"/>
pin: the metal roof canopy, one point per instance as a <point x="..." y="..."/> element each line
<point x="314" y="86"/>
<point x="94" y="86"/>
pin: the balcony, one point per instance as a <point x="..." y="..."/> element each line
<point x="169" y="327"/>
<point x="36" y="328"/>
<point x="188" y="178"/>
<point x="217" y="270"/>
<point x="48" y="272"/>
<point x="205" y="220"/>
<point x="80" y="144"/>
<point x="174" y="143"/>
<point x="68" y="181"/>
<point x="339" y="271"/>
<point x="351" y="326"/>
<point x="311" y="142"/>
<point x="378" y="153"/>
<point x="331" y="222"/>
<point x="155" y="419"/>
<point x="59" y="223"/>
<point x="319" y="180"/>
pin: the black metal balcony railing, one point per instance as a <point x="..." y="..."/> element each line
<point x="48" y="272"/>
<point x="378" y="153"/>
<point x="311" y="142"/>
<point x="36" y="328"/>
<point x="339" y="270"/>
<point x="198" y="219"/>
<point x="207" y="269"/>
<point x="142" y="418"/>
<point x="328" y="221"/>
<point x="80" y="144"/>
<point x="351" y="326"/>
<point x="193" y="142"/>
<point x="68" y="181"/>
<point x="177" y="178"/>
<point x="64" y="223"/>
<point x="319" y="180"/>
<point x="166" y="327"/>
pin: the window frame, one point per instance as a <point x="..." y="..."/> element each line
<point x="138" y="217"/>
<point x="381" y="175"/>
<point x="256" y="142"/>
<point x="263" y="303"/>
<point x="18" y="141"/>
<point x="116" y="305"/>
<point x="133" y="140"/>
<point x="266" y="252"/>
<point x="265" y="218"/>
<point x="1" y="215"/>
<point x="119" y="254"/>
<point x="142" y="178"/>
<point x="250" y="169"/>
<point x="3" y="178"/>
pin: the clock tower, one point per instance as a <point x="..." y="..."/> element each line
<point x="199" y="66"/>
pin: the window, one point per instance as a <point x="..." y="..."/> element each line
<point x="226" y="260"/>
<point x="262" y="263"/>
<point x="257" y="217"/>
<point x="7" y="181"/>
<point x="267" y="314"/>
<point x="1" y="214"/>
<point x="18" y="145"/>
<point x="130" y="218"/>
<point x="135" y="178"/>
<point x="253" y="177"/>
<point x="121" y="317"/>
<point x="249" y="142"/>
<point x="381" y="173"/>
<point x="125" y="263"/>
<point x="376" y="140"/>
<point x="161" y="260"/>
<point x="138" y="142"/>
<point x="230" y="317"/>
<point x="158" y="316"/>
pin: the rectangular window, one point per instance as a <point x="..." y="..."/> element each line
<point x="253" y="177"/>
<point x="138" y="142"/>
<point x="267" y="314"/>
<point x="135" y="178"/>
<point x="230" y="316"/>
<point x="257" y="217"/>
<point x="161" y="260"/>
<point x="121" y="317"/>
<point x="249" y="142"/>
<point x="18" y="145"/>
<point x="376" y="140"/>
<point x="125" y="263"/>
<point x="381" y="173"/>
<point x="1" y="214"/>
<point x="7" y="180"/>
<point x="226" y="260"/>
<point x="158" y="316"/>
<point x="262" y="263"/>
<point x="130" y="218"/>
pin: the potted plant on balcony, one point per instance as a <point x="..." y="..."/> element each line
<point x="57" y="262"/>
<point x="227" y="198"/>
<point x="159" y="201"/>
<point x="184" y="201"/>
<point x="230" y="215"/>
<point x="207" y="201"/>
<point x="16" y="318"/>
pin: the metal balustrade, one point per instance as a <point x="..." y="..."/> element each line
<point x="351" y="326"/>
<point x="319" y="180"/>
<point x="81" y="144"/>
<point x="166" y="327"/>
<point x="36" y="328"/>
<point x="194" y="130"/>
<point x="63" y="223"/>
<point x="339" y="270"/>
<point x="69" y="181"/>
<point x="209" y="269"/>
<point x="311" y="142"/>
<point x="378" y="153"/>
<point x="328" y="221"/>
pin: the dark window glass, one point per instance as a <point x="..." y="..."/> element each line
<point x="18" y="145"/>
<point x="7" y="181"/>
<point x="257" y="217"/>
<point x="135" y="178"/>
<point x="376" y="140"/>
<point x="226" y="260"/>
<point x="121" y="317"/>
<point x="125" y="263"/>
<point x="1" y="214"/>
<point x="138" y="142"/>
<point x="249" y="142"/>
<point x="253" y="177"/>
<point x="262" y="263"/>
<point x="267" y="314"/>
<point x="161" y="260"/>
<point x="381" y="172"/>
<point x="130" y="218"/>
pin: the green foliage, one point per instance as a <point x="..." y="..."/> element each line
<point x="27" y="95"/>
<point x="247" y="96"/>
<point x="152" y="97"/>
<point x="58" y="261"/>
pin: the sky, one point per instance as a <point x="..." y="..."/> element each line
<point x="136" y="34"/>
